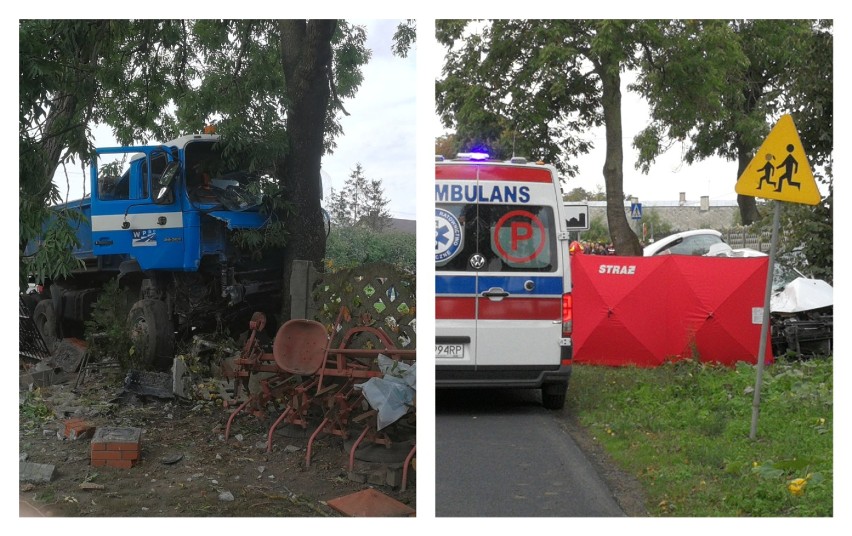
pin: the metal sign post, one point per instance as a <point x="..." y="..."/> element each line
<point x="764" y="329"/>
<point x="778" y="171"/>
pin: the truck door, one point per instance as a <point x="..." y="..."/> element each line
<point x="501" y="283"/>
<point x="131" y="212"/>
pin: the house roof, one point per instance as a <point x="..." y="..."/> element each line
<point x="398" y="225"/>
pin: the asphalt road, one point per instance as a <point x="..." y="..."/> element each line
<point x="500" y="454"/>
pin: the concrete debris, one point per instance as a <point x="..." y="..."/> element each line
<point x="69" y="354"/>
<point x="143" y="383"/>
<point x="171" y="459"/>
<point x="181" y="382"/>
<point x="36" y="472"/>
<point x="43" y="375"/>
<point x="226" y="496"/>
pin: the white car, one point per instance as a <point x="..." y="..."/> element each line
<point x="698" y="242"/>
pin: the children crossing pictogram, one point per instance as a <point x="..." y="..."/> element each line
<point x="789" y="180"/>
<point x="791" y="166"/>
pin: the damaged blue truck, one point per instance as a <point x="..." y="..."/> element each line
<point x="162" y="219"/>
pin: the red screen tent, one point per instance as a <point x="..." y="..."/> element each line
<point x="645" y="311"/>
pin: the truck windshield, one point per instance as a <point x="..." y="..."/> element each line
<point x="212" y="180"/>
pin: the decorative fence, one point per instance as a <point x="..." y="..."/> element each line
<point x="377" y="295"/>
<point x="743" y="237"/>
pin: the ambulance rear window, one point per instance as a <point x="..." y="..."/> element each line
<point x="495" y="238"/>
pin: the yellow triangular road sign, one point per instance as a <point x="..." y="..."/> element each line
<point x="780" y="169"/>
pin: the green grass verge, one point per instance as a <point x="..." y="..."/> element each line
<point x="683" y="430"/>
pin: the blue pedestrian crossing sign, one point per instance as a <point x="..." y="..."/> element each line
<point x="636" y="211"/>
<point x="780" y="169"/>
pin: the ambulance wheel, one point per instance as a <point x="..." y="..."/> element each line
<point x="553" y="395"/>
<point x="44" y="317"/>
<point x="151" y="333"/>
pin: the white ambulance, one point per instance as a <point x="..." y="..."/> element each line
<point x="502" y="277"/>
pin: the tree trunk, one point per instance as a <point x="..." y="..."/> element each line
<point x="59" y="121"/>
<point x="623" y="238"/>
<point x="747" y="203"/>
<point x="306" y="57"/>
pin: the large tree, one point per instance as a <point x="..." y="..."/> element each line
<point x="361" y="201"/>
<point x="717" y="86"/>
<point x="274" y="88"/>
<point x="534" y="87"/>
<point x="73" y="74"/>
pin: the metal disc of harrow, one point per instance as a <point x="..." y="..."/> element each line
<point x="300" y="346"/>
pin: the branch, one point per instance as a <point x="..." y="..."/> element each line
<point x="333" y="88"/>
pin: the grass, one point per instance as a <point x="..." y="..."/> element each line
<point x="32" y="409"/>
<point x="683" y="430"/>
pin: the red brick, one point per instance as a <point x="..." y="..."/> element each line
<point x="98" y="446"/>
<point x="121" y="464"/>
<point x="122" y="446"/>
<point x="78" y="429"/>
<point x="129" y="454"/>
<point x="99" y="463"/>
<point x="106" y="455"/>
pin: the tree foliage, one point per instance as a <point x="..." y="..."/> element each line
<point x="274" y="88"/>
<point x="581" y="194"/>
<point x="353" y="246"/>
<point x="534" y="87"/>
<point x="361" y="202"/>
<point x="446" y="146"/>
<point x="597" y="231"/>
<point x="74" y="73"/>
<point x="656" y="226"/>
<point x="717" y="86"/>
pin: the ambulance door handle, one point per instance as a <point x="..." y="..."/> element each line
<point x="495" y="292"/>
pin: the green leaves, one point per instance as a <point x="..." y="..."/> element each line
<point x="519" y="87"/>
<point x="153" y="79"/>
<point x="717" y="86"/>
<point x="349" y="247"/>
<point x="361" y="202"/>
<point x="404" y="37"/>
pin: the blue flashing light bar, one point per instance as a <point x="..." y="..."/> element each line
<point x="472" y="156"/>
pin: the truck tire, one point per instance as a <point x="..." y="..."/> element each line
<point x="553" y="395"/>
<point x="44" y="317"/>
<point x="151" y="333"/>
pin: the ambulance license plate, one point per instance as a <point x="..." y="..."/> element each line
<point x="449" y="350"/>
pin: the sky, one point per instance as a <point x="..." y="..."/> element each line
<point x="380" y="131"/>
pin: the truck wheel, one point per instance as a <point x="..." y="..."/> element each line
<point x="553" y="395"/>
<point x="151" y="333"/>
<point x="44" y="316"/>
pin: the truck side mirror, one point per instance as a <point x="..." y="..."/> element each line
<point x="166" y="180"/>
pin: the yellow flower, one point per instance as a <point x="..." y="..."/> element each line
<point x="797" y="486"/>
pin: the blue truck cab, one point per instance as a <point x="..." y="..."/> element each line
<point x="162" y="219"/>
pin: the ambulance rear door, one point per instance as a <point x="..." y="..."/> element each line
<point x="499" y="280"/>
<point x="520" y="280"/>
